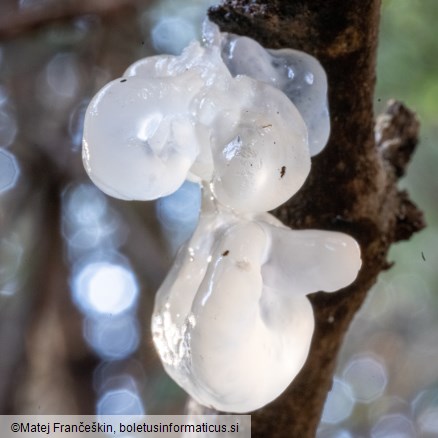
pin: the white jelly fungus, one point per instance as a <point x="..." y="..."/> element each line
<point x="232" y="323"/>
<point x="175" y="117"/>
<point x="299" y="75"/>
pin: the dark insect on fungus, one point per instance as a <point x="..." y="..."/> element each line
<point x="282" y="171"/>
<point x="225" y="253"/>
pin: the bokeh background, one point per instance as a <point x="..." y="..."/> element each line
<point x="79" y="270"/>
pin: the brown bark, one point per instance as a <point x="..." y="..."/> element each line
<point x="353" y="183"/>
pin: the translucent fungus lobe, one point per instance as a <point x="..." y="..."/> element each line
<point x="232" y="322"/>
<point x="139" y="141"/>
<point x="176" y="117"/>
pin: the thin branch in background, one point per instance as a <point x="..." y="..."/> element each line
<point x="16" y="23"/>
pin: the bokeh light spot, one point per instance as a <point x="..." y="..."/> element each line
<point x="425" y="407"/>
<point x="394" y="426"/>
<point x="128" y="373"/>
<point x="178" y="213"/>
<point x="9" y="171"/>
<point x="172" y="34"/>
<point x="112" y="337"/>
<point x="105" y="288"/>
<point x="89" y="224"/>
<point x="339" y="404"/>
<point x="85" y="204"/>
<point x="182" y="207"/>
<point x="120" y="402"/>
<point x="62" y="75"/>
<point x="367" y="377"/>
<point x="330" y="432"/>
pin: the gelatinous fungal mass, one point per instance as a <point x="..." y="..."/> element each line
<point x="232" y="323"/>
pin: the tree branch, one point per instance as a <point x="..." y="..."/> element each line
<point x="16" y="23"/>
<point x="352" y="186"/>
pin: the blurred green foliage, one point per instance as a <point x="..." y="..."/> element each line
<point x="407" y="70"/>
<point x="407" y="58"/>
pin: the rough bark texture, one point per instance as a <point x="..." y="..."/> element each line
<point x="353" y="183"/>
